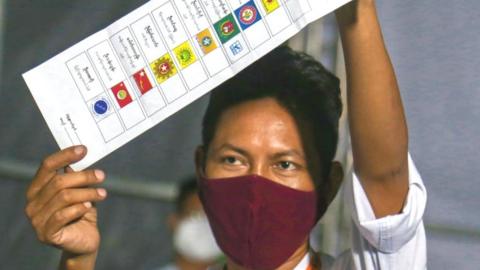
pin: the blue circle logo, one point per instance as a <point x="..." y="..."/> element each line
<point x="100" y="107"/>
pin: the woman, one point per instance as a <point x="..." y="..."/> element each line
<point x="265" y="168"/>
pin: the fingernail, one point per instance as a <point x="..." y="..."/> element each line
<point x="87" y="204"/>
<point x="100" y="175"/>
<point x="102" y="192"/>
<point x="78" y="150"/>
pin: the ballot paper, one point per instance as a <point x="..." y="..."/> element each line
<point x="121" y="81"/>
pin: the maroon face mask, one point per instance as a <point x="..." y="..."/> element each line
<point x="257" y="223"/>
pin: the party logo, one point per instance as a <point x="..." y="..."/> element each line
<point x="206" y="41"/>
<point x="163" y="68"/>
<point x="247" y="15"/>
<point x="100" y="107"/>
<point x="236" y="47"/>
<point x="185" y="54"/>
<point x="121" y="94"/>
<point x="142" y="81"/>
<point x="270" y="5"/>
<point x="226" y="28"/>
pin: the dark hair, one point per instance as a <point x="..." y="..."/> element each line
<point x="309" y="92"/>
<point x="187" y="188"/>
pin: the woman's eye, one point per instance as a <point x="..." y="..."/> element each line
<point x="286" y="165"/>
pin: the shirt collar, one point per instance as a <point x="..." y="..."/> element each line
<point x="303" y="264"/>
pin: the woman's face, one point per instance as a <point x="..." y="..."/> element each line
<point x="258" y="137"/>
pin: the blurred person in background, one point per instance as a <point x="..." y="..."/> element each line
<point x="193" y="241"/>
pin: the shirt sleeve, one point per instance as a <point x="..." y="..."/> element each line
<point x="388" y="234"/>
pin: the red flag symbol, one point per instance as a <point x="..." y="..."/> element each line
<point x="143" y="82"/>
<point x="121" y="94"/>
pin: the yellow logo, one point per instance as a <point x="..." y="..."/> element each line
<point x="185" y="54"/>
<point x="270" y="5"/>
<point x="163" y="68"/>
<point x="206" y="41"/>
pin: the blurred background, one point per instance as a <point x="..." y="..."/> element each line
<point x="434" y="48"/>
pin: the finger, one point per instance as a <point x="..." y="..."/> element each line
<point x="51" y="164"/>
<point x="68" y="197"/>
<point x="65" y="181"/>
<point x="61" y="218"/>
<point x="68" y="169"/>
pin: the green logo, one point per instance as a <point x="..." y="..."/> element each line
<point x="185" y="55"/>
<point x="226" y="28"/>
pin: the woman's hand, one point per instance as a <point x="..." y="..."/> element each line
<point x="60" y="209"/>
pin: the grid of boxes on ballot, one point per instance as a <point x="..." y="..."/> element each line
<point x="164" y="54"/>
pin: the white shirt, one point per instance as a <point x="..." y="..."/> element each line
<point x="394" y="242"/>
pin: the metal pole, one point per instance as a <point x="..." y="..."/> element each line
<point x="17" y="170"/>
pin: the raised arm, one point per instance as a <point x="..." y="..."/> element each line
<point x="376" y="118"/>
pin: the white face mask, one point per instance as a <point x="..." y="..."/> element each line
<point x="194" y="239"/>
